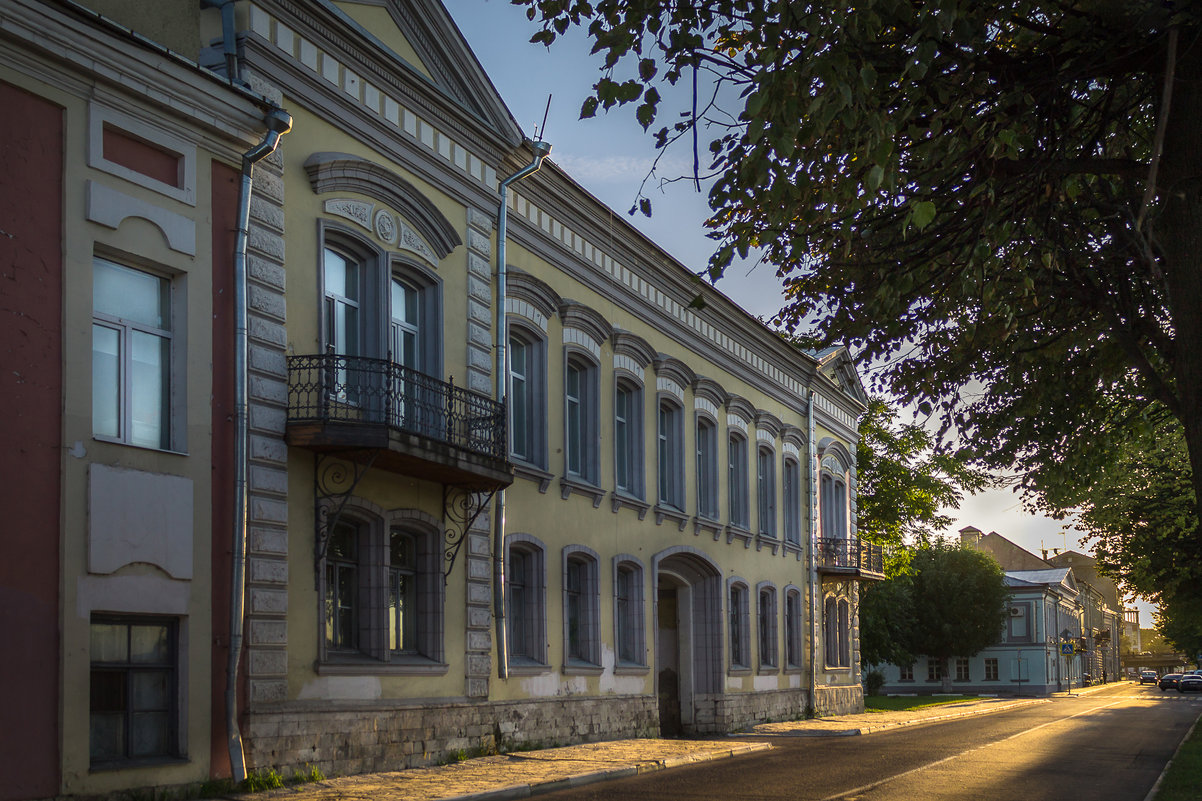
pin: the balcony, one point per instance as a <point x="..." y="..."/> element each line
<point x="404" y="421"/>
<point x="849" y="557"/>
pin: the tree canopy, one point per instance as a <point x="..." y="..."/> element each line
<point x="997" y="203"/>
<point x="903" y="483"/>
<point x="951" y="603"/>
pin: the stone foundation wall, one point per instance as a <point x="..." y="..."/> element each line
<point x="719" y="714"/>
<point x="347" y="738"/>
<point x="839" y="700"/>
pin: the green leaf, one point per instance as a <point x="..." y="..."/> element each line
<point x="589" y="108"/>
<point x="875" y="176"/>
<point x="922" y="214"/>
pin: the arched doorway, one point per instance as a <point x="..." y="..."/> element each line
<point x="688" y="636"/>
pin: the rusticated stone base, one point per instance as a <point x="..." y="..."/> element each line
<point x="839" y="700"/>
<point x="719" y="714"/>
<point x="350" y="738"/>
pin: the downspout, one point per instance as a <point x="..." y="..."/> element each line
<point x="811" y="563"/>
<point x="278" y="122"/>
<point x="541" y="149"/>
<point x="229" y="42"/>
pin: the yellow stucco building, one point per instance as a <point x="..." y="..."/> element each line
<point x="503" y="484"/>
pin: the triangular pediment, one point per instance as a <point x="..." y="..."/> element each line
<point x="836" y="364"/>
<point x="424" y="37"/>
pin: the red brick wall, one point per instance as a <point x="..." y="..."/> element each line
<point x="31" y="295"/>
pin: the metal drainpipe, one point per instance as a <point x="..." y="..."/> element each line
<point x="278" y="122"/>
<point x="811" y="562"/>
<point x="541" y="149"/>
<point x="229" y="42"/>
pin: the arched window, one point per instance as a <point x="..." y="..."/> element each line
<point x="581" y="423"/>
<point x="581" y="608"/>
<point x="527" y="396"/>
<point x="707" y="468"/>
<point x="792" y="501"/>
<point x="628" y="438"/>
<point x="737" y="477"/>
<point x="525" y="601"/>
<point x="766" y="626"/>
<point x="793" y="632"/>
<point x="629" y="638"/>
<point x="766" y="491"/>
<point x="670" y="453"/>
<point x="739" y="626"/>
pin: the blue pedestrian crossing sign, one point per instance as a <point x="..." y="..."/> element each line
<point x="1068" y="648"/>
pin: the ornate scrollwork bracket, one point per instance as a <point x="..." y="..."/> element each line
<point x="334" y="482"/>
<point x="460" y="509"/>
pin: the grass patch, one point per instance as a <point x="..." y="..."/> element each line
<point x="885" y="703"/>
<point x="1181" y="781"/>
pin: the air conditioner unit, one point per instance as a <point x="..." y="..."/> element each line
<point x="1016" y="611"/>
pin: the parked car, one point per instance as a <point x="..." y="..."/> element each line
<point x="1190" y="684"/>
<point x="1148" y="677"/>
<point x="1169" y="681"/>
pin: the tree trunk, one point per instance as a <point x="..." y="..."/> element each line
<point x="1178" y="234"/>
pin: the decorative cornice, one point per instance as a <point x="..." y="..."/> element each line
<point x="342" y="172"/>
<point x="709" y="389"/>
<point x="669" y="367"/>
<point x="524" y="286"/>
<point x="739" y="406"/>
<point x="766" y="421"/>
<point x="574" y="314"/>
<point x="634" y="346"/>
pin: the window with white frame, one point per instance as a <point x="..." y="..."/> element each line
<point x="707" y="468"/>
<point x="793" y="631"/>
<point x="134" y="693"/>
<point x="766" y="626"/>
<point x="766" y="491"/>
<point x="670" y="454"/>
<point x="991" y="668"/>
<point x="934" y="669"/>
<point x="581" y="612"/>
<point x="131" y="355"/>
<point x="527" y="396"/>
<point x="383" y="593"/>
<point x="737" y="479"/>
<point x="628" y="438"/>
<point x="792" y="499"/>
<point x="628" y="613"/>
<point x="961" y="668"/>
<point x="581" y="431"/>
<point x="739" y="626"/>
<point x="525" y="602"/>
<point x="906" y="672"/>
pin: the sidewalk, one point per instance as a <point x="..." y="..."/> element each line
<point x="521" y="775"/>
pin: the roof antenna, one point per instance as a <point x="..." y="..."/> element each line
<point x="543" y="128"/>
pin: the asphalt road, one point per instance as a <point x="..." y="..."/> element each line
<point x="1106" y="746"/>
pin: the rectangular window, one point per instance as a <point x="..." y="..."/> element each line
<point x="934" y="669"/>
<point x="991" y="669"/>
<point x="792" y="502"/>
<point x="343" y="605"/>
<point x="707" y="469"/>
<point x="134" y="693"/>
<point x="906" y="672"/>
<point x="131" y="355"/>
<point x="670" y="461"/>
<point x="961" y="669"/>
<point x="737" y="477"/>
<point x="766" y="492"/>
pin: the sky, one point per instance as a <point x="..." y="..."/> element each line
<point x="610" y="156"/>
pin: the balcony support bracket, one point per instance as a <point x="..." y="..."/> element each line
<point x="334" y="482"/>
<point x="460" y="509"/>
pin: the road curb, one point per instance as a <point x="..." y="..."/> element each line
<point x="581" y="779"/>
<point x="1160" y="779"/>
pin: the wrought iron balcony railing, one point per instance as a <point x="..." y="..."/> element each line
<point x="356" y="390"/>
<point x="837" y="555"/>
